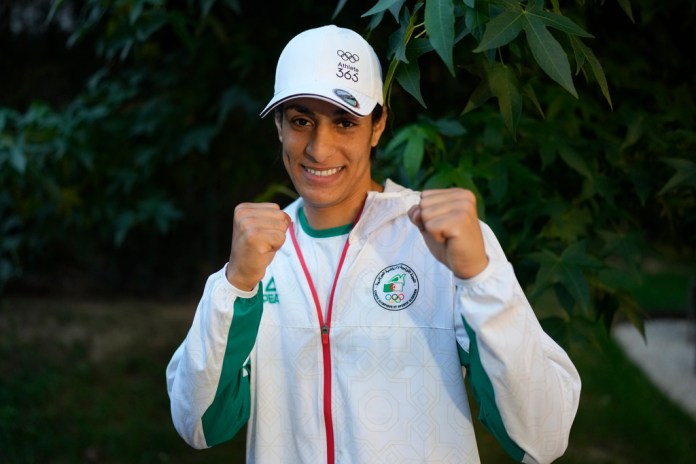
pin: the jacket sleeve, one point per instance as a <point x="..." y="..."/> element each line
<point x="208" y="375"/>
<point x="525" y="385"/>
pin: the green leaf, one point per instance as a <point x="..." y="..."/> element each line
<point x="339" y="7"/>
<point x="560" y="22"/>
<point x="388" y="81"/>
<point x="379" y="7"/>
<point x="395" y="8"/>
<point x="408" y="76"/>
<point x="418" y="47"/>
<point x="398" y="40"/>
<point x="642" y="181"/>
<point x="135" y="11"/>
<point x="439" y="23"/>
<point x="635" y="129"/>
<point x="575" y="161"/>
<point x="55" y="6"/>
<point x="685" y="175"/>
<point x="474" y="18"/>
<point x="414" y="151"/>
<point x="198" y="139"/>
<point x="481" y="95"/>
<point x="528" y="90"/>
<point x="233" y="5"/>
<point x="547" y="274"/>
<point x="548" y="53"/>
<point x="234" y="97"/>
<point x="442" y="178"/>
<point x="122" y="225"/>
<point x="499" y="181"/>
<point x="151" y="22"/>
<point x="534" y="6"/>
<point x="565" y="299"/>
<point x="503" y="85"/>
<point x="17" y="158"/>
<point x="568" y="226"/>
<point x="206" y="6"/>
<point x="399" y="138"/>
<point x="629" y="307"/>
<point x="626" y="6"/>
<point x="576" y="255"/>
<point x="375" y="21"/>
<point x="623" y="279"/>
<point x="450" y="127"/>
<point x="582" y="53"/>
<point x="501" y="30"/>
<point x="432" y="135"/>
<point x="505" y="4"/>
<point x="274" y="190"/>
<point x="566" y="269"/>
<point x="625" y="246"/>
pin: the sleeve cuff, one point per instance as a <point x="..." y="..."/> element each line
<point x="479" y="278"/>
<point x="234" y="290"/>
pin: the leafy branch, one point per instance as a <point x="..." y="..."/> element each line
<point x="494" y="25"/>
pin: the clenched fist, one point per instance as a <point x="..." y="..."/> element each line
<point x="449" y="223"/>
<point x="258" y="232"/>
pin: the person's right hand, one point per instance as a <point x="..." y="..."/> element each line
<point x="258" y="232"/>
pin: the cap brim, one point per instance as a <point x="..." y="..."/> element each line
<point x="363" y="106"/>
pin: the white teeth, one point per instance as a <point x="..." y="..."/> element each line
<point x="327" y="172"/>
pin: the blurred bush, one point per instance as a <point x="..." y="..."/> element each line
<point x="132" y="179"/>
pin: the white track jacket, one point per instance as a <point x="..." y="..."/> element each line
<point x="378" y="377"/>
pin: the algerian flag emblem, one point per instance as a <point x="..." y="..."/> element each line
<point x="395" y="287"/>
<point x="395" y="284"/>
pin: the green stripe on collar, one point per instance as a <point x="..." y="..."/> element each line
<point x="321" y="233"/>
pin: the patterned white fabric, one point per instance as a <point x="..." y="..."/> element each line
<point x="397" y="383"/>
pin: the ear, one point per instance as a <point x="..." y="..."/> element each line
<point x="279" y="125"/>
<point x="378" y="128"/>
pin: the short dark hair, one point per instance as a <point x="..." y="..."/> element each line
<point x="376" y="116"/>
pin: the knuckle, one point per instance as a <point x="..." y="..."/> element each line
<point x="469" y="195"/>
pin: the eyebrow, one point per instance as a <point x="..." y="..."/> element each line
<point x="304" y="110"/>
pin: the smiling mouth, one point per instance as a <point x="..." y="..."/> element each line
<point x="322" y="173"/>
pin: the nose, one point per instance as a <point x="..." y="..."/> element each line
<point x="322" y="144"/>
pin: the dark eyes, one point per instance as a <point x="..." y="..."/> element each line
<point x="343" y="123"/>
<point x="346" y="123"/>
<point x="301" y="122"/>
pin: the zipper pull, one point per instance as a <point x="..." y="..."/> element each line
<point x="325" y="334"/>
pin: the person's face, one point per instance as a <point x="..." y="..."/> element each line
<point x="326" y="151"/>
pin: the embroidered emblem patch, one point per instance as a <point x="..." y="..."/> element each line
<point x="395" y="287"/>
<point x="347" y="97"/>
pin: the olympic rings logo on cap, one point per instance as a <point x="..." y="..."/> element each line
<point x="348" y="56"/>
<point x="394" y="297"/>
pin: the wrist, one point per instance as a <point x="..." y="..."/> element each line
<point x="238" y="282"/>
<point x="472" y="270"/>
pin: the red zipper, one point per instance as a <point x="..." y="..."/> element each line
<point x="325" y="327"/>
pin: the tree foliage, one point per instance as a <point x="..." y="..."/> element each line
<point x="576" y="136"/>
<point x="573" y="187"/>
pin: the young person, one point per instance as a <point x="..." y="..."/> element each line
<point x="343" y="327"/>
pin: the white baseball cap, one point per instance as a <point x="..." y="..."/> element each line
<point x="330" y="63"/>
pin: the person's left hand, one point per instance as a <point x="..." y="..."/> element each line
<point x="449" y="223"/>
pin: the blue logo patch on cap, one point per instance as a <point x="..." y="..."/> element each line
<point x="347" y="97"/>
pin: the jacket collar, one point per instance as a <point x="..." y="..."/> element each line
<point x="380" y="209"/>
<point x="384" y="207"/>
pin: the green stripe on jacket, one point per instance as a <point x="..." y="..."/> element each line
<point x="482" y="388"/>
<point x="231" y="406"/>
